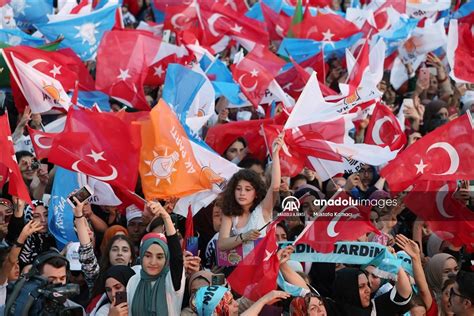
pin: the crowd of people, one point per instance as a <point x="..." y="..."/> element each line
<point x="130" y="261"/>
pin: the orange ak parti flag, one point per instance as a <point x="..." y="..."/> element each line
<point x="168" y="167"/>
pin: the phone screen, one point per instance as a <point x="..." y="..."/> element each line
<point x="192" y="245"/>
<point x="120" y="297"/>
<point x="218" y="279"/>
<point x="82" y="195"/>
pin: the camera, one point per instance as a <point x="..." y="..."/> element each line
<point x="35" y="165"/>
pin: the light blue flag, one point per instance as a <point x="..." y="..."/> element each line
<point x="216" y="69"/>
<point x="28" y="12"/>
<point x="15" y="37"/>
<point x="396" y="35"/>
<point x="60" y="215"/>
<point x="89" y="98"/>
<point x="230" y="90"/>
<point x="466" y="9"/>
<point x="159" y="15"/>
<point x="82" y="34"/>
<point x="181" y="86"/>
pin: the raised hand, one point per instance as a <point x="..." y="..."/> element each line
<point x="408" y="245"/>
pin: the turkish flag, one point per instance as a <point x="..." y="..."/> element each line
<point x="444" y="154"/>
<point x="41" y="142"/>
<point x="459" y="51"/>
<point x="384" y="129"/>
<point x="341" y="222"/>
<point x="255" y="72"/>
<point x="99" y="145"/>
<point x="123" y="59"/>
<point x="324" y="27"/>
<point x="256" y="275"/>
<point x="157" y="72"/>
<point x="277" y="23"/>
<point x="434" y="202"/>
<point x="180" y="17"/>
<point x="168" y="167"/>
<point x="302" y="144"/>
<point x="17" y="186"/>
<point x="221" y="136"/>
<point x="360" y="66"/>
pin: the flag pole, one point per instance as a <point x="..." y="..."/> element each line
<point x="12" y="72"/>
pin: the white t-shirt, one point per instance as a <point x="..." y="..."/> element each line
<point x="174" y="299"/>
<point x="24" y="143"/>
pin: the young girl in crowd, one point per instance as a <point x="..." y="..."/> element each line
<point x="247" y="206"/>
<point x="159" y="286"/>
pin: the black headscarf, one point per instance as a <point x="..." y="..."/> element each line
<point x="346" y="289"/>
<point x="119" y="273"/>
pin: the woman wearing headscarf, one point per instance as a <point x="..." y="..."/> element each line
<point x="436" y="114"/>
<point x="196" y="281"/>
<point x="116" y="280"/>
<point x="352" y="294"/>
<point x="109" y="233"/>
<point x="159" y="287"/>
<point x="439" y="268"/>
<point x="38" y="242"/>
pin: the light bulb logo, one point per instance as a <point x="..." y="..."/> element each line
<point x="161" y="167"/>
<point x="209" y="175"/>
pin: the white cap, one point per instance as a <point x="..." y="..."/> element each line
<point x="133" y="212"/>
<point x="72" y="255"/>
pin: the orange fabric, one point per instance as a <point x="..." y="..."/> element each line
<point x="168" y="167"/>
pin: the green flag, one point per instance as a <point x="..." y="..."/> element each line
<point x="297" y="18"/>
<point x="5" y="71"/>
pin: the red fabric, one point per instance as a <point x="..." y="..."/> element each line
<point x="362" y="63"/>
<point x="189" y="226"/>
<point x="99" y="145"/>
<point x="255" y="73"/>
<point x="157" y="72"/>
<point x="17" y="186"/>
<point x="463" y="56"/>
<point x="384" y="129"/>
<point x="123" y="59"/>
<point x="277" y="24"/>
<point x="256" y="275"/>
<point x="328" y="228"/>
<point x="41" y="142"/>
<point x="444" y="154"/>
<point x="180" y="17"/>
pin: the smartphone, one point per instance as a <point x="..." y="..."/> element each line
<point x="408" y="103"/>
<point x="44" y="167"/>
<point x="82" y="194"/>
<point x="192" y="245"/>
<point x="166" y="36"/>
<point x="433" y="71"/>
<point x="120" y="297"/>
<point x="218" y="279"/>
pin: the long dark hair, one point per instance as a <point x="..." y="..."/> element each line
<point x="104" y="263"/>
<point x="230" y="207"/>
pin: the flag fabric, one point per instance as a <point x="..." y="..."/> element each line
<point x="27" y="13"/>
<point x="168" y="167"/>
<point x="384" y="129"/>
<point x="351" y="220"/>
<point x="41" y="142"/>
<point x="61" y="215"/>
<point x="123" y="59"/>
<point x="82" y="33"/>
<point x="257" y="273"/>
<point x="189" y="227"/>
<point x="223" y="171"/>
<point x="17" y="186"/>
<point x="459" y="51"/>
<point x="99" y="145"/>
<point x="14" y="37"/>
<point x="436" y="156"/>
<point x="255" y="73"/>
<point x="42" y="91"/>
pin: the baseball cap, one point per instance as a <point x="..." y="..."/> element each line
<point x="72" y="255"/>
<point x="132" y="212"/>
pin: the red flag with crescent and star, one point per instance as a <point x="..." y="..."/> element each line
<point x="41" y="142"/>
<point x="257" y="273"/>
<point x="384" y="129"/>
<point x="444" y="154"/>
<point x="342" y="221"/>
<point x="17" y="186"/>
<point x="99" y="145"/>
<point x="255" y="72"/>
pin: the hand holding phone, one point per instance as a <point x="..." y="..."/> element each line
<point x="81" y="195"/>
<point x="120" y="297"/>
<point x="218" y="279"/>
<point x="424" y="78"/>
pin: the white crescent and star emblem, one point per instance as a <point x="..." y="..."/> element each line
<point x="34" y="62"/>
<point x="248" y="89"/>
<point x="211" y="21"/>
<point x="96" y="156"/>
<point x="175" y="19"/>
<point x="440" y="195"/>
<point x="332" y="224"/>
<point x="376" y="130"/>
<point x="37" y="138"/>
<point x="453" y="157"/>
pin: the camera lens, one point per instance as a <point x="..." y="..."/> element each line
<point x="35" y="165"/>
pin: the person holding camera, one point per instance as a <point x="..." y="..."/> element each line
<point x="35" y="175"/>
